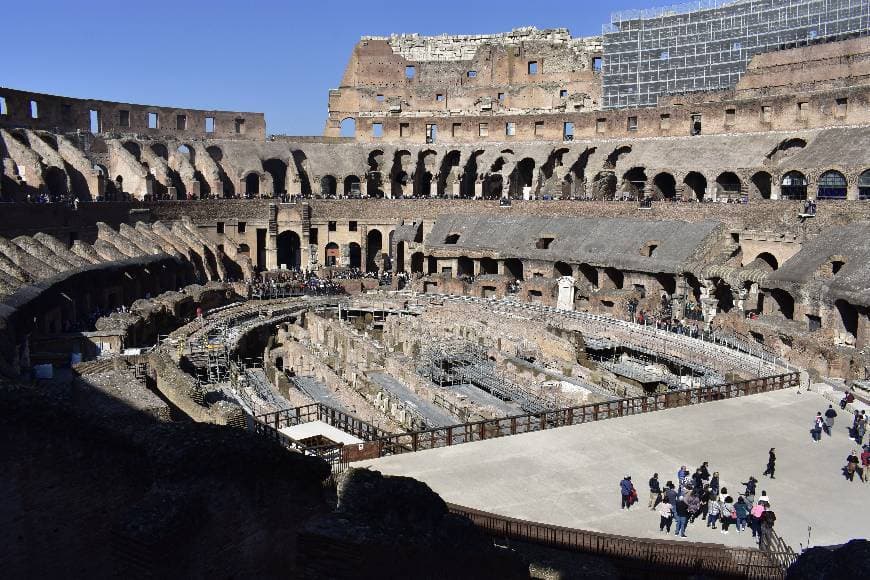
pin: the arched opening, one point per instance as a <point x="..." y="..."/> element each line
<point x="832" y="185"/>
<point x="374" y="175"/>
<point x="451" y="239"/>
<point x="423" y="175"/>
<point x="514" y="267"/>
<point x="289" y="254"/>
<point x="134" y="149"/>
<point x="279" y="363"/>
<point x="696" y="185"/>
<point x="493" y="186"/>
<point x="278" y="170"/>
<point x="449" y="174"/>
<point x="244" y="249"/>
<point x="729" y="186"/>
<point x="161" y="151"/>
<point x="666" y="185"/>
<point x="793" y="186"/>
<point x="469" y="176"/>
<point x="615" y="155"/>
<point x="348" y="127"/>
<point x="784" y="302"/>
<point x="328" y="186"/>
<point x="864" y="185"/>
<point x="522" y="177"/>
<point x="252" y="184"/>
<point x="399" y="176"/>
<point x="464" y="266"/>
<point x="55" y="181"/>
<point x="634" y="182"/>
<point x="767" y="261"/>
<point x="354" y="255"/>
<point x="590" y="273"/>
<point x="786" y="148"/>
<point x="352" y="186"/>
<point x="186" y="151"/>
<point x="417" y="262"/>
<point x="488" y="266"/>
<point x="301" y="163"/>
<point x="848" y="316"/>
<point x="668" y="282"/>
<point x="603" y="186"/>
<point x="616" y="277"/>
<point x="331" y="254"/>
<point x="723" y="295"/>
<point x="374" y="249"/>
<point x="562" y="269"/>
<point x="761" y="182"/>
<point x="400" y="257"/>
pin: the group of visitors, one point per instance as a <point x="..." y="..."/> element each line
<point x="825" y="424"/>
<point x="293" y="283"/>
<point x="699" y="494"/>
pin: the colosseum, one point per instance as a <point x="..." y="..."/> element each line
<point x="516" y="273"/>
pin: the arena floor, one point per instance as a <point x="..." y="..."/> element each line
<point x="570" y="476"/>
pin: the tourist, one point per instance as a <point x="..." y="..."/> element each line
<point x="693" y="502"/>
<point x="671" y="493"/>
<point x="723" y="493"/>
<point x="705" y="471"/>
<point x="666" y="513"/>
<point x="626" y="488"/>
<point x="767" y="520"/>
<point x="750" y="487"/>
<point x="655" y="491"/>
<point x="861" y="428"/>
<point x="847" y="399"/>
<point x="763" y="498"/>
<point x="697" y="479"/>
<point x="865" y="463"/>
<point x="755" y="518"/>
<point x="712" y="511"/>
<point x="816" y="431"/>
<point x="681" y="510"/>
<point x="704" y="498"/>
<point x="771" y="464"/>
<point x="851" y="465"/>
<point x="830" y="415"/>
<point x="714" y="484"/>
<point x="681" y="475"/>
<point x="741" y="511"/>
<point x="727" y="513"/>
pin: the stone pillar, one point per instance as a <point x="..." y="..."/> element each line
<point x="852" y="191"/>
<point x="476" y="266"/>
<point x="364" y="186"/>
<point x="344" y="259"/>
<point x="501" y="268"/>
<point x="272" y="238"/>
<point x="775" y="190"/>
<point x="565" y="300"/>
<point x="478" y="189"/>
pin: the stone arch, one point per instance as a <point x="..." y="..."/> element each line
<point x="768" y="259"/>
<point x="729" y="185"/>
<point x="374" y="175"/>
<point x="493" y="186"/>
<point x="521" y="177"/>
<point x="347" y="127"/>
<point x="328" y="186"/>
<point x="616" y="155"/>
<point x="590" y="273"/>
<point x="616" y="277"/>
<point x="186" y="151"/>
<point x="832" y="185"/>
<point x="56" y="181"/>
<point x="417" y="262"/>
<point x="289" y="249"/>
<point x="277" y="168"/>
<point x="634" y="181"/>
<point x="864" y="185"/>
<point x="464" y="266"/>
<point x="793" y="186"/>
<point x="723" y="294"/>
<point x="488" y="266"/>
<point x="666" y="185"/>
<point x="562" y="269"/>
<point x="514" y="267"/>
<point x="300" y="160"/>
<point x="784" y="302"/>
<point x="374" y="249"/>
<point x="354" y="255"/>
<point x="160" y="150"/>
<point x="449" y="167"/>
<point x="331" y="254"/>
<point x="399" y="176"/>
<point x="133" y="148"/>
<point x="786" y="148"/>
<point x="696" y="185"/>
<point x="761" y="184"/>
<point x="469" y="175"/>
<point x="251" y="182"/>
<point x="423" y="174"/>
<point x="352" y="185"/>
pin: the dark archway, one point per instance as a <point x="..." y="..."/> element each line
<point x="301" y="163"/>
<point x="133" y="148"/>
<point x="449" y="165"/>
<point x="289" y="253"/>
<point x="355" y="255"/>
<point x="514" y="267"/>
<point x="635" y="180"/>
<point x="761" y="183"/>
<point x="55" y="181"/>
<point x="161" y="151"/>
<point x="417" y="262"/>
<point x="666" y="185"/>
<point x="832" y="185"/>
<point x="616" y="277"/>
<point x="331" y="254"/>
<point x="400" y="257"/>
<point x="374" y="249"/>
<point x="784" y="302"/>
<point x="464" y="266"/>
<point x="488" y="266"/>
<point x="493" y="186"/>
<point x="562" y="269"/>
<point x="793" y="186"/>
<point x="521" y="177"/>
<point x="352" y="186"/>
<point x="768" y="259"/>
<point x="848" y="316"/>
<point x="723" y="295"/>
<point x="590" y="273"/>
<point x="864" y="185"/>
<point x="277" y="168"/>
<point x="252" y="184"/>
<point x="696" y="184"/>
<point x="328" y="186"/>
<point x="729" y="185"/>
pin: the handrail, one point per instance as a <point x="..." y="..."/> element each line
<point x="648" y="553"/>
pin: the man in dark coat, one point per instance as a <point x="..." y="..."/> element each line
<point x="625" y="489"/>
<point x="655" y="491"/>
<point x="771" y="463"/>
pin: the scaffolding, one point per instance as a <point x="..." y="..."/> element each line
<point x="707" y="45"/>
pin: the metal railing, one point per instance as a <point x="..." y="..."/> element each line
<point x="661" y="556"/>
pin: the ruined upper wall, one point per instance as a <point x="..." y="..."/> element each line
<point x="65" y="114"/>
<point x="413" y="75"/>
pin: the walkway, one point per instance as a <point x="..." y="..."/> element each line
<point x="570" y="476"/>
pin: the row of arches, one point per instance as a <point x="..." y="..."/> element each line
<point x="289" y="252"/>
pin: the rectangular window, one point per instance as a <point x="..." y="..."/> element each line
<point x="66" y="112"/>
<point x="500" y="97"/>
<point x="209" y="124"/>
<point x="563" y="93"/>
<point x="766" y="114"/>
<point x="803" y="111"/>
<point x="568" y="131"/>
<point x="483" y="130"/>
<point x="730" y="116"/>
<point x="631" y="125"/>
<point x="533" y="67"/>
<point x="510" y="129"/>
<point x="842" y="107"/>
<point x="379" y="98"/>
<point x="220" y="227"/>
<point x="153" y="120"/>
<point x="439" y="97"/>
<point x="181" y="122"/>
<point x="3" y="110"/>
<point x="332" y="226"/>
<point x="471" y="74"/>
<point x="596" y="63"/>
<point x="665" y="121"/>
<point x="312" y="236"/>
<point x="696" y="124"/>
<point x="351" y="226"/>
<point x="457" y="129"/>
<point x="242" y="227"/>
<point x="94" y="117"/>
<point x="240" y="126"/>
<point x="123" y="118"/>
<point x="539" y="128"/>
<point x="410" y="71"/>
<point x="404" y="129"/>
<point x="377" y="130"/>
<point x="34" y="110"/>
<point x="431" y="133"/>
<point x="601" y="125"/>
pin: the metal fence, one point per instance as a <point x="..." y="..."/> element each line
<point x="661" y="556"/>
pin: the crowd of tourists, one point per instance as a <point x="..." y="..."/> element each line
<point x="293" y="283"/>
<point x="700" y="496"/>
<point x="856" y="463"/>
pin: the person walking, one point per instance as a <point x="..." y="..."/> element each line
<point x="714" y="484"/>
<point x="625" y="489"/>
<point x="704" y="498"/>
<point x="749" y="492"/>
<point x="771" y="464"/>
<point x="705" y="470"/>
<point x="755" y="518"/>
<point x="693" y="501"/>
<point x="729" y="516"/>
<point x="816" y="431"/>
<point x="741" y="510"/>
<point x="655" y="491"/>
<point x="671" y="493"/>
<point x="865" y="462"/>
<point x="713" y="511"/>
<point x="851" y="466"/>
<point x="830" y="415"/>
<point x="681" y="509"/>
<point x="666" y="516"/>
<point x="861" y="428"/>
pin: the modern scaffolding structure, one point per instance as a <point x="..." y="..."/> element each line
<point x="707" y="44"/>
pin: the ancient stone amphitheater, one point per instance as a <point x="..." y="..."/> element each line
<point x="206" y="327"/>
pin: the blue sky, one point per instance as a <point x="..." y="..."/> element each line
<point x="277" y="57"/>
